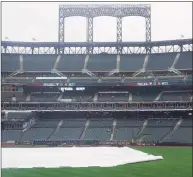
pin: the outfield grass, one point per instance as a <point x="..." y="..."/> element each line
<point x="177" y="163"/>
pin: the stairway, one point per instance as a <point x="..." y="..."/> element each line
<point x="170" y="133"/>
<point x="114" y="129"/>
<point x="86" y="61"/>
<point x="118" y="63"/>
<point x="84" y="131"/>
<point x="56" y="129"/>
<point x="56" y="62"/>
<point x="143" y="127"/>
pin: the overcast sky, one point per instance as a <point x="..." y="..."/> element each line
<point x="22" y="21"/>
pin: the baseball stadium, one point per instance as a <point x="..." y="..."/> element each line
<point x="97" y="109"/>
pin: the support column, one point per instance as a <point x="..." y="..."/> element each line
<point x="148" y="29"/>
<point x="61" y="25"/>
<point x="61" y="29"/>
<point x="148" y="33"/>
<point x="89" y="34"/>
<point x="119" y="33"/>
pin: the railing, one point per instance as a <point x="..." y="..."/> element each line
<point x="98" y="106"/>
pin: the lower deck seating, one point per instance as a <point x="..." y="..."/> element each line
<point x="47" y="124"/>
<point x="152" y="134"/>
<point x="67" y="134"/>
<point x="37" y="134"/>
<point x="10" y="135"/>
<point x="102" y="129"/>
<point x="101" y="122"/>
<point x="113" y="97"/>
<point x="181" y="135"/>
<point x="126" y="133"/>
<point x="102" y="133"/>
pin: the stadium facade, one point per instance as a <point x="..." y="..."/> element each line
<point x="97" y="93"/>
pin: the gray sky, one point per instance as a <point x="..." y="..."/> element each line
<point x="22" y="21"/>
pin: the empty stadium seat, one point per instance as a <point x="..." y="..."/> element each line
<point x="129" y="122"/>
<point x="37" y="134"/>
<point x="67" y="134"/>
<point x="160" y="61"/>
<point x="101" y="122"/>
<point x="155" y="134"/>
<point x="106" y="62"/>
<point x="17" y="115"/>
<point x="10" y="135"/>
<point x="181" y="135"/>
<point x="113" y="97"/>
<point x="184" y="61"/>
<point x="132" y="62"/>
<point x="175" y="96"/>
<point x="10" y="62"/>
<point x="46" y="96"/>
<point x="102" y="133"/>
<point x="126" y="133"/>
<point x="7" y="96"/>
<point x="71" y="63"/>
<point x="38" y="62"/>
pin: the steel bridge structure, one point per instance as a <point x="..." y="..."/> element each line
<point x="98" y="47"/>
<point x="115" y="10"/>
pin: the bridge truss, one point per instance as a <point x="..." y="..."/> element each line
<point x="116" y="10"/>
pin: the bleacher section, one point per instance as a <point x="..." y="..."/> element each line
<point x="184" y="61"/>
<point x="9" y="62"/>
<point x="85" y="96"/>
<point x="38" y="62"/>
<point x="127" y="129"/>
<point x="99" y="129"/>
<point x="10" y="135"/>
<point x="113" y="97"/>
<point x="83" y="80"/>
<point x="101" y="62"/>
<point x="156" y="129"/>
<point x="151" y="134"/>
<point x="183" y="134"/>
<point x="77" y="96"/>
<point x="98" y="134"/>
<point x="69" y="130"/>
<point x="67" y="134"/>
<point x="36" y="134"/>
<point x="45" y="97"/>
<point x="73" y="123"/>
<point x="40" y="131"/>
<point x="160" y="61"/>
<point x="47" y="123"/>
<point x="131" y="62"/>
<point x="137" y="97"/>
<point x="175" y="96"/>
<point x="16" y="96"/>
<point x="17" y="115"/>
<point x="71" y="63"/>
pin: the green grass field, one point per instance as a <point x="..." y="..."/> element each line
<point x="177" y="163"/>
